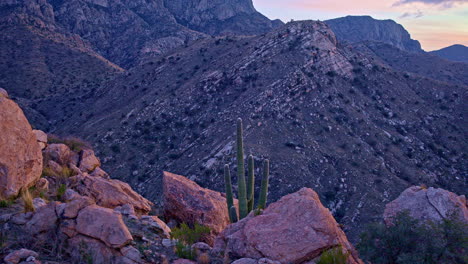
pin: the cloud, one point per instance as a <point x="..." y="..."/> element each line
<point x="416" y="14"/>
<point x="442" y="3"/>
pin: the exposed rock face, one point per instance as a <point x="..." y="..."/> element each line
<point x="363" y="28"/>
<point x="295" y="229"/>
<point x="41" y="138"/>
<point x="17" y="256"/>
<point x="109" y="193"/>
<point x="428" y="204"/>
<point x="103" y="224"/>
<point x="20" y="154"/>
<point x="88" y="161"/>
<point x="187" y="202"/>
<point x="59" y="153"/>
<point x="221" y="16"/>
<point x="458" y="53"/>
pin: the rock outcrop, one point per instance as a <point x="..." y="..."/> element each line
<point x="295" y="229"/>
<point x="365" y="28"/>
<point x="221" y="16"/>
<point x="186" y="202"/>
<point x="425" y="204"/>
<point x="20" y="154"/>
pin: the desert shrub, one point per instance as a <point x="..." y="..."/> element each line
<point x="333" y="256"/>
<point x="5" y="203"/>
<point x="75" y="144"/>
<point x="408" y="240"/>
<point x="186" y="237"/>
<point x="27" y="200"/>
<point x="61" y="191"/>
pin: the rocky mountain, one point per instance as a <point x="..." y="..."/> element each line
<point x="221" y="16"/>
<point x="327" y="116"/>
<point x="365" y="28"/>
<point x="457" y="53"/>
<point x="49" y="68"/>
<point x="421" y="63"/>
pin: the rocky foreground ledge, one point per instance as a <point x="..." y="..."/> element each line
<point x="59" y="206"/>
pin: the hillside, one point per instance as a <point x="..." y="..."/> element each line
<point x="457" y="53"/>
<point x="365" y="28"/>
<point x="327" y="116"/>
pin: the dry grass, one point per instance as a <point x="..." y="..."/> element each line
<point x="74" y="143"/>
<point x="204" y="259"/>
<point x="27" y="200"/>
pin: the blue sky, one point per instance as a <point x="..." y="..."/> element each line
<point x="435" y="23"/>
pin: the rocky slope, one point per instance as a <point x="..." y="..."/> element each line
<point x="361" y="28"/>
<point x="221" y="16"/>
<point x="457" y="53"/>
<point x="327" y="116"/>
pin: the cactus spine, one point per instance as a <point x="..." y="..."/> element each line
<point x="229" y="197"/>
<point x="264" y="189"/>
<point x="250" y="184"/>
<point x="243" y="210"/>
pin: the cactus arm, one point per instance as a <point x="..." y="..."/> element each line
<point x="240" y="172"/>
<point x="264" y="189"/>
<point x="229" y="196"/>
<point x="233" y="214"/>
<point x="250" y="184"/>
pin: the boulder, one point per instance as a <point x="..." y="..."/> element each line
<point x="44" y="219"/>
<point x="88" y="161"/>
<point x="427" y="204"/>
<point x="156" y="224"/>
<point x="17" y="256"/>
<point x="103" y="224"/>
<point x="98" y="172"/>
<point x="93" y="249"/>
<point x="20" y="155"/>
<point x="187" y="202"/>
<point x="109" y="193"/>
<point x="38" y="203"/>
<point x="59" y="153"/>
<point x="3" y="93"/>
<point x="72" y="208"/>
<point x="42" y="185"/>
<point x="41" y="138"/>
<point x="295" y="229"/>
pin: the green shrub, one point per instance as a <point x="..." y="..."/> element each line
<point x="61" y="191"/>
<point x="5" y="203"/>
<point x="409" y="241"/>
<point x="186" y="237"/>
<point x="333" y="256"/>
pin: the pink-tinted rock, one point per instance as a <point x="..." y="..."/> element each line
<point x="97" y="251"/>
<point x="88" y="161"/>
<point x="132" y="254"/>
<point x="103" y="224"/>
<point x="68" y="227"/>
<point x="156" y="224"/>
<point x="41" y="138"/>
<point x="44" y="219"/>
<point x="72" y="208"/>
<point x="18" y="255"/>
<point x="427" y="204"/>
<point x="20" y="155"/>
<point x="3" y="93"/>
<point x="245" y="261"/>
<point x="59" y="153"/>
<point x="42" y="185"/>
<point x="294" y="229"/>
<point x="38" y="203"/>
<point x="55" y="167"/>
<point x="187" y="202"/>
<point x="109" y="193"/>
<point x="98" y="172"/>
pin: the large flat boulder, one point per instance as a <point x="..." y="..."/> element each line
<point x="295" y="229"/>
<point x="427" y="204"/>
<point x="20" y="154"/>
<point x="109" y="193"/>
<point x="103" y="224"/>
<point x="187" y="202"/>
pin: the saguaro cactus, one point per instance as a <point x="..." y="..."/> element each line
<point x="229" y="196"/>
<point x="250" y="184"/>
<point x="243" y="210"/>
<point x="264" y="189"/>
<point x="245" y="191"/>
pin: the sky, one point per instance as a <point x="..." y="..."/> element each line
<point x="435" y="23"/>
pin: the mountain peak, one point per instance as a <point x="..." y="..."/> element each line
<point x="365" y="28"/>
